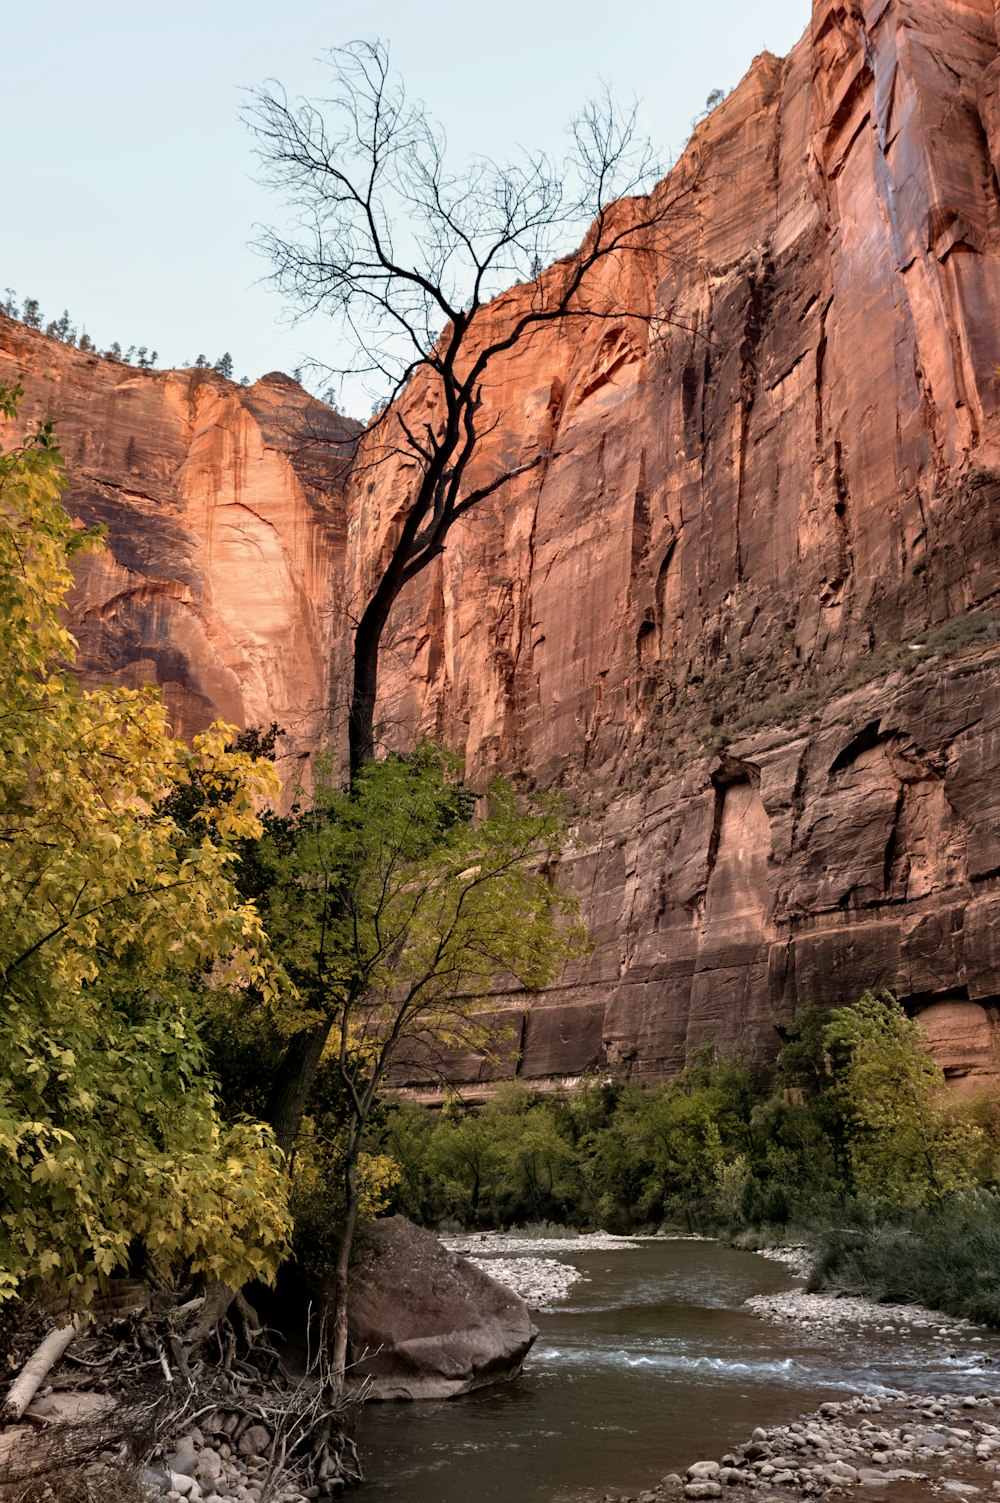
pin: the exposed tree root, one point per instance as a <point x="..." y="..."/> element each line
<point x="230" y="1383"/>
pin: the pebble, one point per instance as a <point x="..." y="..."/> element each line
<point x="183" y="1459"/>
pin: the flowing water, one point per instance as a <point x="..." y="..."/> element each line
<point x="650" y="1364"/>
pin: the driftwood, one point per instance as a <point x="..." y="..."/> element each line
<point x="36" y="1370"/>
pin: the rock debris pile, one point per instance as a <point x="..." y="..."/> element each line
<point x="796" y="1256"/>
<point x="230" y="1458"/>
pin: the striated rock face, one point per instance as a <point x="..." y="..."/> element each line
<point x="225" y="523"/>
<point x="746" y="610"/>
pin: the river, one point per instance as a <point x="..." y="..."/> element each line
<point x="652" y="1362"/>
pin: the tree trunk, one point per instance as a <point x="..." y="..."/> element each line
<point x="342" y="1271"/>
<point x="215" y="1307"/>
<point x="364" y="689"/>
<point x="294" y="1081"/>
<point x="361" y="721"/>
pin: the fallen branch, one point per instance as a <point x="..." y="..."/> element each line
<point x="36" y="1370"/>
<point x="164" y="1363"/>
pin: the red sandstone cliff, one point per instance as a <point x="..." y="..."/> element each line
<point x="752" y="511"/>
<point x="224" y="513"/>
<point x="746" y="612"/>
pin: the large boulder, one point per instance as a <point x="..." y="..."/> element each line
<point x="426" y="1324"/>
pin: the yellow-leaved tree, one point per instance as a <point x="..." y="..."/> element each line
<point x="112" y="913"/>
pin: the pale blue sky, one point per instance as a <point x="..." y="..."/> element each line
<point x="129" y="194"/>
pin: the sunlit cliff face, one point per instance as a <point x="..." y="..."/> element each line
<point x="224" y="514"/>
<point x="743" y="612"/>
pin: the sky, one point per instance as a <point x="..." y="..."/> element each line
<point x="130" y="197"/>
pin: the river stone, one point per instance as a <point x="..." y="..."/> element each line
<point x="255" y="1441"/>
<point x="702" y="1471"/>
<point x="842" y="1469"/>
<point x="703" y="1488"/>
<point x="209" y="1466"/>
<point x="183" y="1459"/>
<point x="427" y="1324"/>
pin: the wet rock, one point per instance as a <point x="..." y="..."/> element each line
<point x="702" y="1489"/>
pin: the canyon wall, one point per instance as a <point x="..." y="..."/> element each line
<point x="225" y="521"/>
<point x="745" y="609"/>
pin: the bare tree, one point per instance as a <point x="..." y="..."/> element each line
<point x="409" y="258"/>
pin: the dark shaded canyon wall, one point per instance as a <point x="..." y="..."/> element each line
<point x="746" y="610"/>
<point x="225" y="523"/>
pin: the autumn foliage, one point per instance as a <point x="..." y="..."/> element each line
<point x="111" y="915"/>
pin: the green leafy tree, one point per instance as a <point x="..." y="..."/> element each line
<point x="110" y="914"/>
<point x="906" y="1146"/>
<point x="394" y="911"/>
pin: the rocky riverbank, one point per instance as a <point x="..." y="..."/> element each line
<point x="517" y="1260"/>
<point x="232" y="1456"/>
<point x="821" y="1312"/>
<point x="908" y="1443"/>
